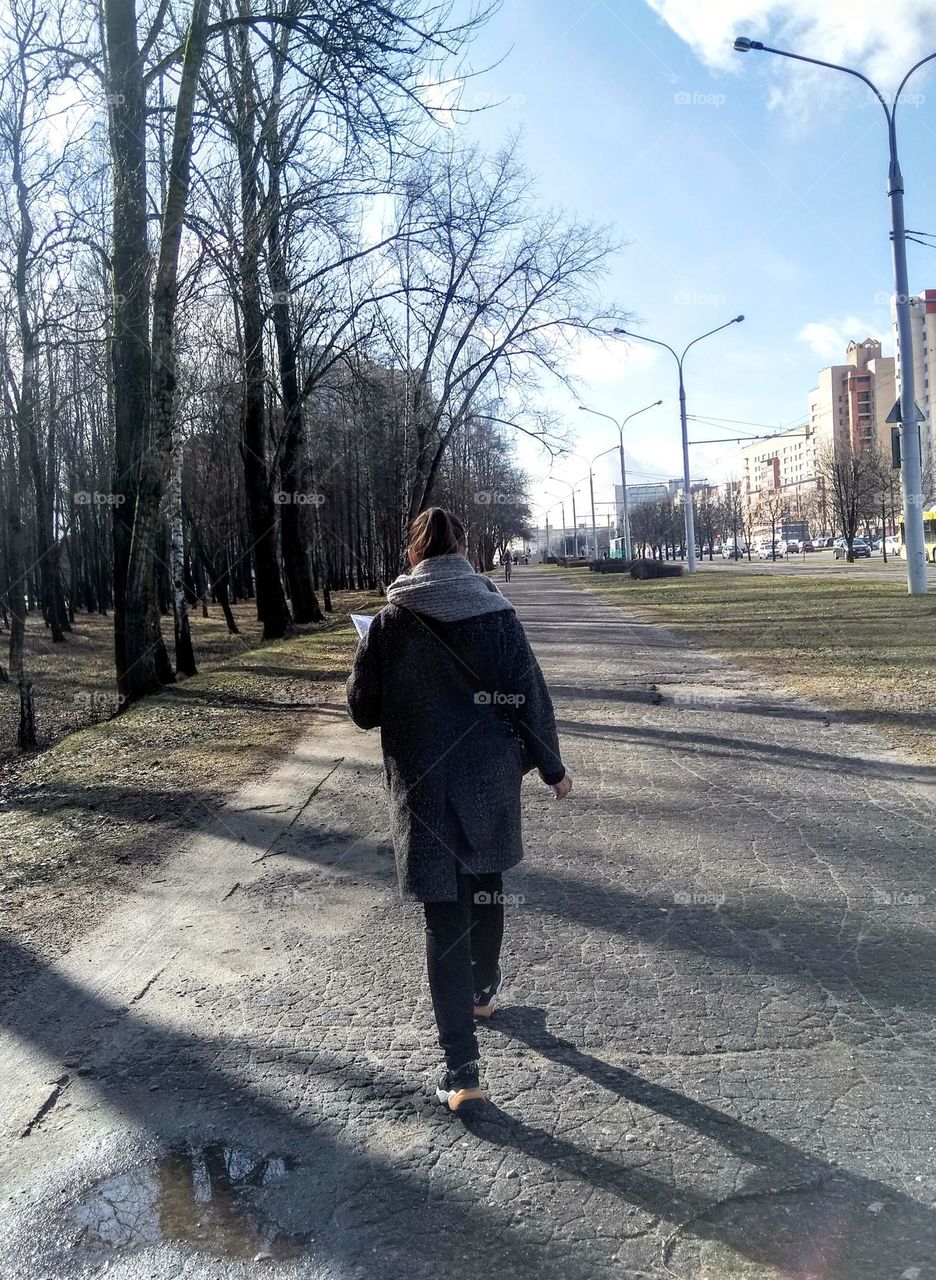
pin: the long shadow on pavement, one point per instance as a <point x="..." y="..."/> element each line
<point x="356" y="1204"/>
<point x="722" y="746"/>
<point x="874" y="968"/>
<point x="797" y="1213"/>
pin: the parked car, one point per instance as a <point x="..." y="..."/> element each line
<point x="860" y="549"/>
<point x="891" y="545"/>
<point x="733" y="551"/>
<point x="807" y="545"/>
<point x="767" y="550"/>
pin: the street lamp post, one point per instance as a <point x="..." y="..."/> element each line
<point x="620" y="429"/>
<point x="559" y="480"/>
<point x="909" y="415"/>
<point x="560" y="502"/>
<point x="591" y="490"/>
<point x="546" y="511"/>
<point x="687" y="481"/>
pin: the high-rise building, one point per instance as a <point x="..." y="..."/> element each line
<point x="848" y="407"/>
<point x="923" y="333"/>
<point x="851" y="401"/>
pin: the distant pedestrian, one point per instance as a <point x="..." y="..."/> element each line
<point x="447" y="673"/>
<point x="508" y="563"/>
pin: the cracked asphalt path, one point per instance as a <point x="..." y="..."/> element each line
<point x="714" y="1059"/>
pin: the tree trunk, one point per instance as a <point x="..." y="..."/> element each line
<point x="53" y="599"/>
<point x="139" y="651"/>
<point x="272" y="608"/>
<point x="17" y="589"/>
<point x="305" y="605"/>
<point x="184" y="653"/>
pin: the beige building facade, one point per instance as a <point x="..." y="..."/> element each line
<point x="848" y="405"/>
<point x="923" y="331"/>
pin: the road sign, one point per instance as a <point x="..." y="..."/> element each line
<point x="894" y="415"/>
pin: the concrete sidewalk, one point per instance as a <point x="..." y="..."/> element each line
<point x="715" y="1056"/>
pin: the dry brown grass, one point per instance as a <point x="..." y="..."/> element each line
<point x="84" y="819"/>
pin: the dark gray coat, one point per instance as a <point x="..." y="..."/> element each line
<point x="453" y="763"/>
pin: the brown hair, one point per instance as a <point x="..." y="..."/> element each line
<point x="436" y="532"/>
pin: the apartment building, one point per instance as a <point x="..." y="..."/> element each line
<point x="848" y="406"/>
<point x="923" y="331"/>
<point x="786" y="461"/>
<point x="851" y="401"/>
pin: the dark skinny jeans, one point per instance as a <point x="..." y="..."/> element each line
<point x="463" y="942"/>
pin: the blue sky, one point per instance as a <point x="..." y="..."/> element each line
<point x="742" y="183"/>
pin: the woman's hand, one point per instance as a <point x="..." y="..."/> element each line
<point x="562" y="789"/>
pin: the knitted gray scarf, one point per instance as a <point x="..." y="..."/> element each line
<point x="446" y="588"/>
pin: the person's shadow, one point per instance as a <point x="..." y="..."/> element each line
<point x="797" y="1213"/>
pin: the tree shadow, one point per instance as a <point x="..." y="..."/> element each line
<point x="360" y="1206"/>
<point x="795" y="1212"/>
<point x="722" y="746"/>
<point x="873" y="968"/>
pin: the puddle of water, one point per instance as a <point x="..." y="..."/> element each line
<point x="207" y="1197"/>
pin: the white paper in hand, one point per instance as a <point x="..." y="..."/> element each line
<point x="362" y="622"/>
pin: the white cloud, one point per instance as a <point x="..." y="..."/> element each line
<point x="377" y="218"/>
<point x="829" y="338"/>
<point x="882" y="40"/>
<point x="601" y="361"/>
<point x="441" y="99"/>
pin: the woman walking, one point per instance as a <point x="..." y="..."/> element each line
<point x="448" y="675"/>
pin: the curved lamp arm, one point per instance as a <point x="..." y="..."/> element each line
<point x="733" y="320"/>
<point x="743" y="44"/>
<point x="643" y="410"/>
<point x="916" y="66"/>
<point x="626" y="333"/>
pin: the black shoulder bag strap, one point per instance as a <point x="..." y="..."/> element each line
<point x="506" y="712"/>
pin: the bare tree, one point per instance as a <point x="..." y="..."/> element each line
<point x="747" y="516"/>
<point x="771" y="509"/>
<point x="492" y="296"/>
<point x="851" y="479"/>
<point x="708" y="520"/>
